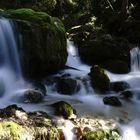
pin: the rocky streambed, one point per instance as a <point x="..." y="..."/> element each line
<point x="17" y="124"/>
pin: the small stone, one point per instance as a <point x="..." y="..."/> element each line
<point x="112" y="100"/>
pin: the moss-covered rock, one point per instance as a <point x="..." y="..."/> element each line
<point x="29" y="15"/>
<point x="16" y="124"/>
<point x="99" y="79"/>
<point x="64" y="109"/>
<point x="43" y="48"/>
<point x="101" y="135"/>
<point x="13" y="131"/>
<point x="112" y="100"/>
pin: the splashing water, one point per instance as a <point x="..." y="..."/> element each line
<point x="10" y="70"/>
<point x="135" y="59"/>
<point x="87" y="102"/>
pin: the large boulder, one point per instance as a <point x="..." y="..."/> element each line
<point x="101" y="50"/>
<point x="96" y="46"/>
<point x="43" y="48"/>
<point x="99" y="79"/>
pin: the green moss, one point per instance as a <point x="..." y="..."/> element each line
<point x="11" y="130"/>
<point x="101" y="135"/>
<point x="30" y="15"/>
<point x="64" y="109"/>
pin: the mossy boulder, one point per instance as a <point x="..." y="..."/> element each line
<point x="67" y="85"/>
<point x="16" y="124"/>
<point x="101" y="135"/>
<point x="99" y="79"/>
<point x="119" y="86"/>
<point x="43" y="50"/>
<point x="112" y="100"/>
<point x="64" y="109"/>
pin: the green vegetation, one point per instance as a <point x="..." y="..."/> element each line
<point x="101" y="135"/>
<point x="64" y="109"/>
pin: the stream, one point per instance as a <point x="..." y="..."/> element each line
<point x="86" y="101"/>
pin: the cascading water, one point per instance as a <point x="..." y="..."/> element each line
<point x="73" y="57"/>
<point x="87" y="102"/>
<point x="135" y="59"/>
<point x="10" y="70"/>
<point x="8" y="48"/>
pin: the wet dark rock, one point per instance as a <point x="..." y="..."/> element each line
<point x="33" y="96"/>
<point x="112" y="100"/>
<point x="99" y="79"/>
<point x="127" y="94"/>
<point x="116" y="66"/>
<point x="67" y="85"/>
<point x="64" y="109"/>
<point x="119" y="86"/>
<point x="40" y="87"/>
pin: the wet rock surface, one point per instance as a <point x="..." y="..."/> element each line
<point x="17" y="124"/>
<point x="99" y="79"/>
<point x="112" y="100"/>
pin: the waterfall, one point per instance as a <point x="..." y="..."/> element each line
<point x="10" y="70"/>
<point x="135" y="59"/>
<point x="74" y="59"/>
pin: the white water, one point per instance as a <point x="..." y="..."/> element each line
<point x="10" y="70"/>
<point x="86" y="101"/>
<point x="89" y="103"/>
<point x="74" y="59"/>
<point x="135" y="59"/>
